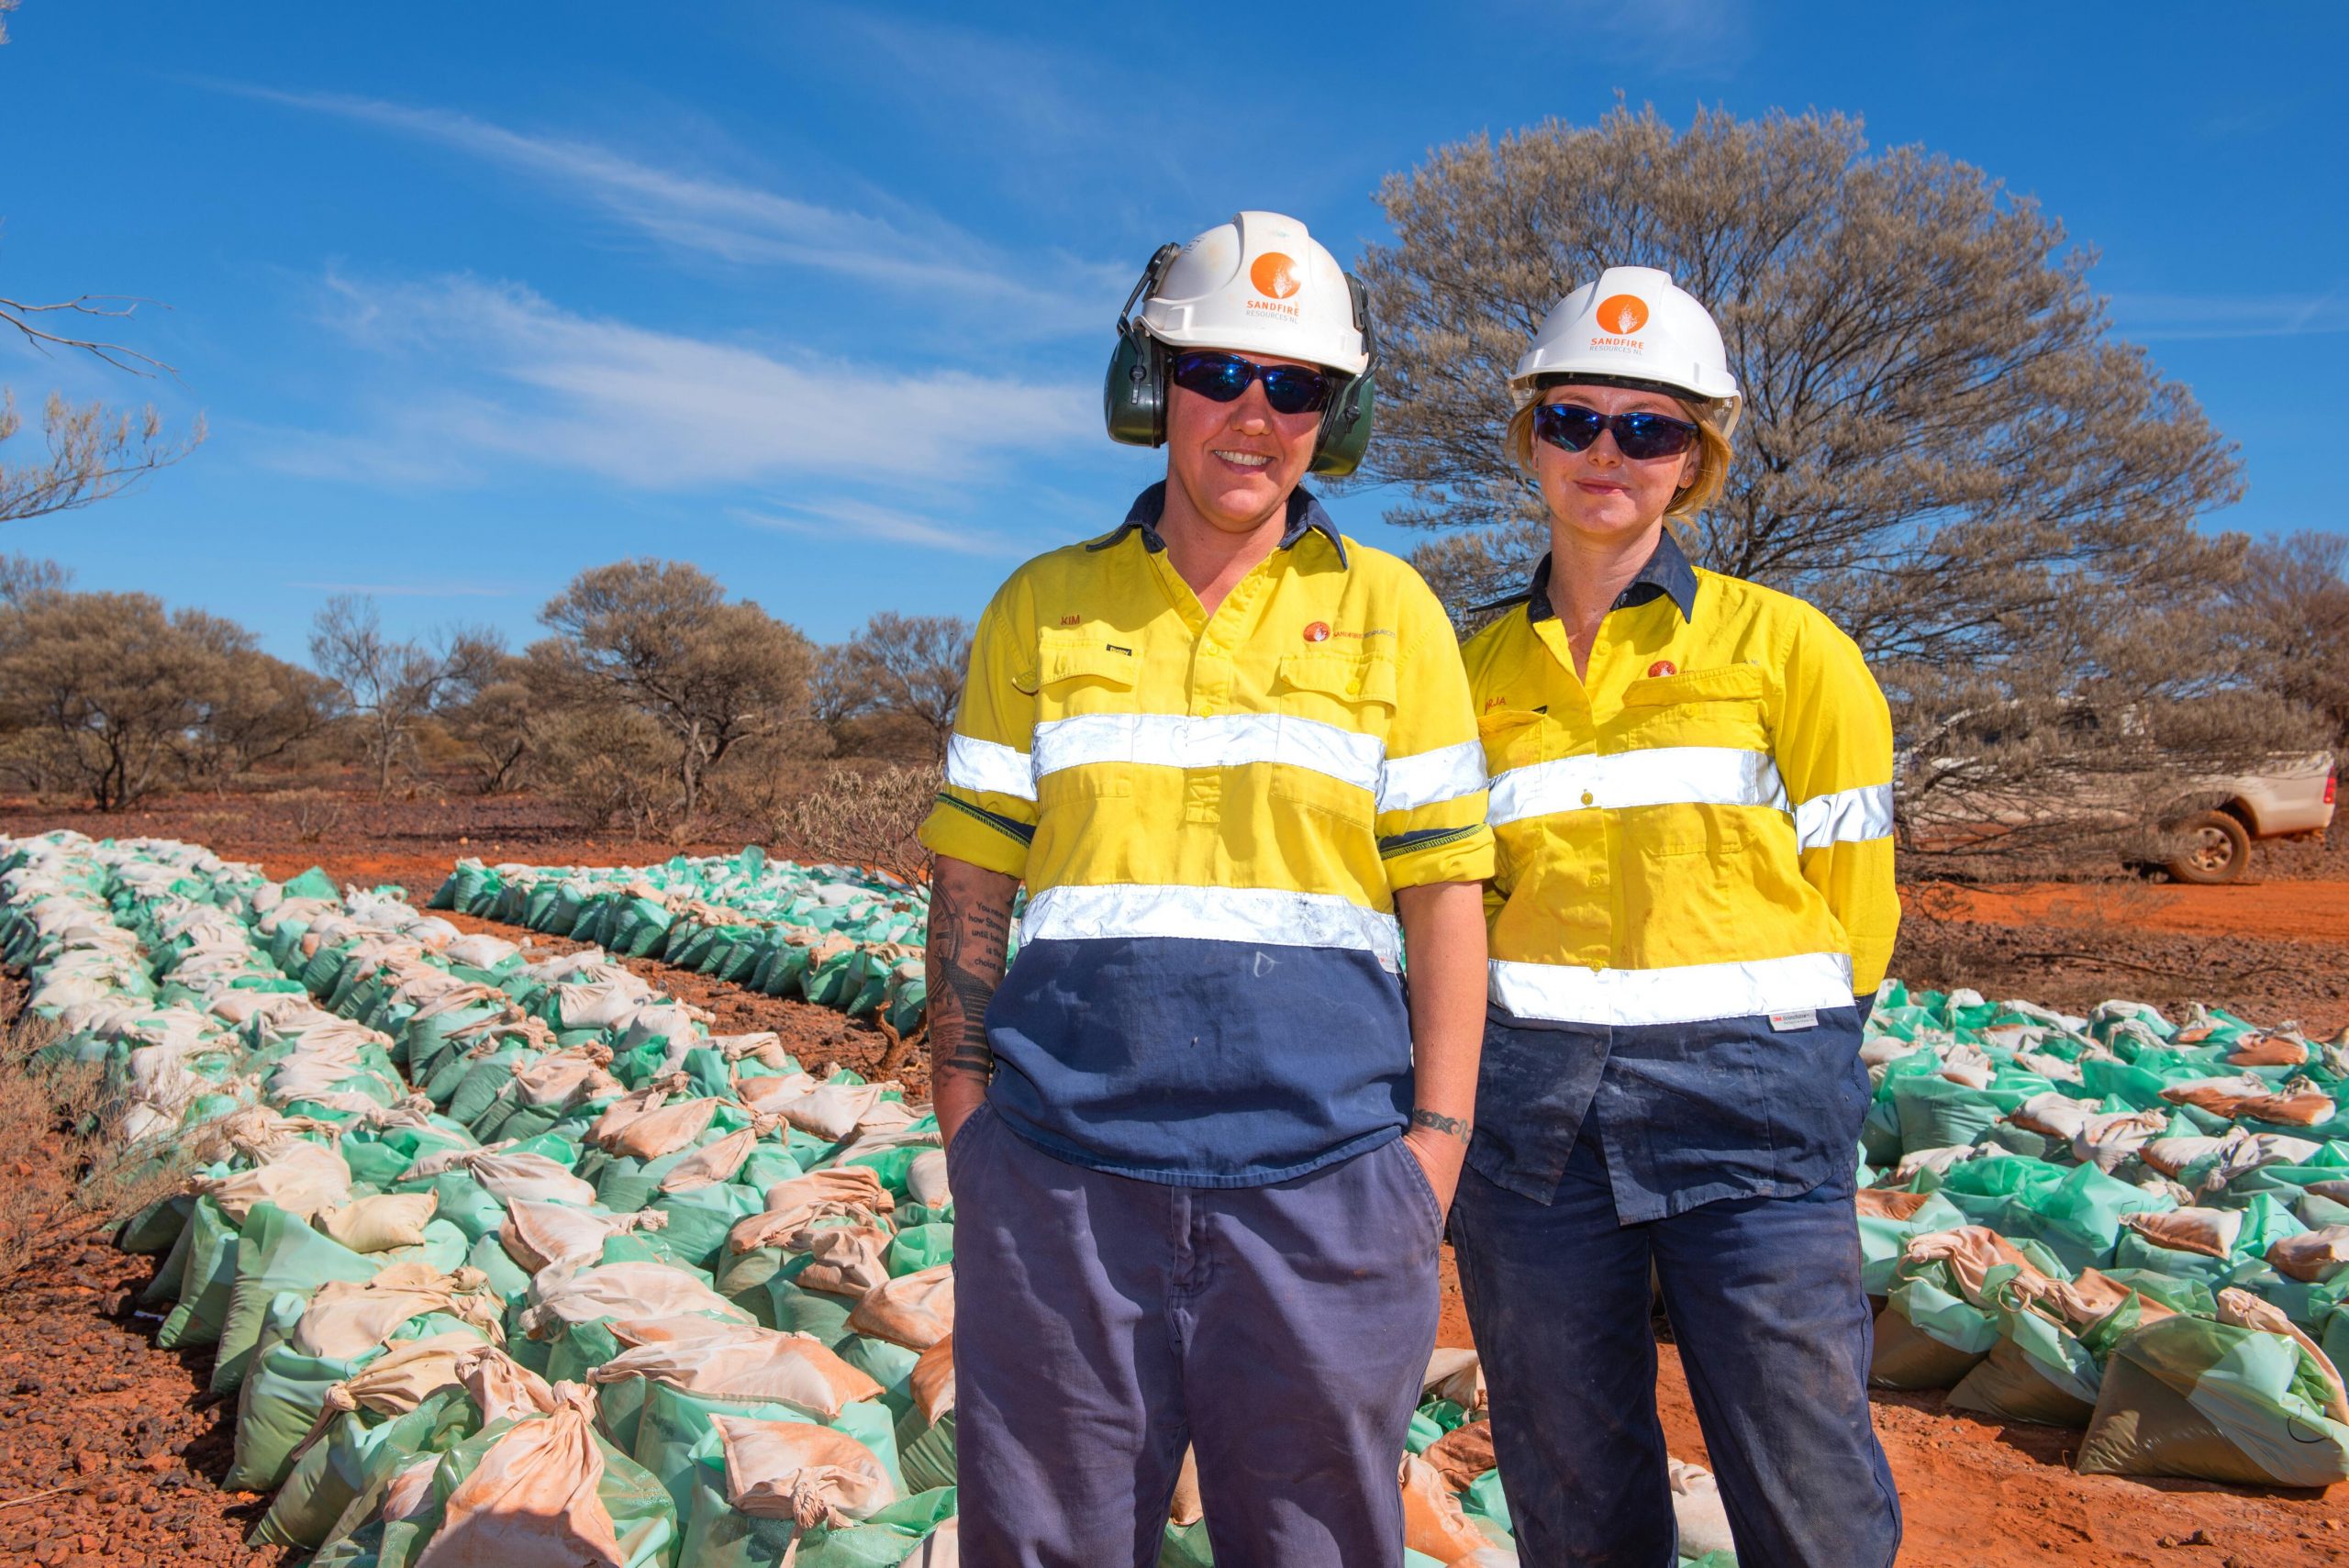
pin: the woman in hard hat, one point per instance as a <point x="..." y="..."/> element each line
<point x="1692" y="795"/>
<point x="1199" y="1139"/>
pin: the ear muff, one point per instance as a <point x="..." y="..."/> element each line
<point x="1133" y="392"/>
<point x="1345" y="424"/>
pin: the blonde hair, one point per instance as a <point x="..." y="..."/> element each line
<point x="1690" y="500"/>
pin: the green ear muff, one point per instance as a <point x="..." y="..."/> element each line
<point x="1133" y="392"/>
<point x="1345" y="425"/>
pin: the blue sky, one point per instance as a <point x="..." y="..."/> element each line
<point x="818" y="297"/>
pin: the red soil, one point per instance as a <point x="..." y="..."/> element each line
<point x="107" y="1457"/>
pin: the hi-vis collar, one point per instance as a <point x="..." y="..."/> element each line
<point x="1305" y="515"/>
<point x="1667" y="574"/>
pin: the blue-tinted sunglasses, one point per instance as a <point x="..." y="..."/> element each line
<point x="1290" y="389"/>
<point x="1639" y="436"/>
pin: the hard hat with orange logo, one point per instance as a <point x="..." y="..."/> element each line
<point x="1258" y="285"/>
<point x="1635" y="326"/>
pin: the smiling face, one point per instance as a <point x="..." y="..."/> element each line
<point x="1236" y="463"/>
<point x="1598" y="491"/>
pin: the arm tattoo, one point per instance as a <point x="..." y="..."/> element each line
<point x="963" y="964"/>
<point x="1451" y="1125"/>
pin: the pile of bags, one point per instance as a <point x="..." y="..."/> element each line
<point x="2115" y="1223"/>
<point x="843" y="938"/>
<point x="507" y="1260"/>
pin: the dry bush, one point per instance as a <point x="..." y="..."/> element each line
<point x="860" y="815"/>
<point x="612" y="765"/>
<point x="70" y="1170"/>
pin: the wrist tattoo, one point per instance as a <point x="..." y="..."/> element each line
<point x="1449" y="1125"/>
<point x="963" y="962"/>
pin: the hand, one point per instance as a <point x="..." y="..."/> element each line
<point x="1440" y="1155"/>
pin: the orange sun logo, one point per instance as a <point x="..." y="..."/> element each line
<point x="1274" y="275"/>
<point x="1317" y="632"/>
<point x="1622" y="314"/>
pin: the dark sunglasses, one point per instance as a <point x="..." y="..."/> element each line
<point x="1639" y="436"/>
<point x="1290" y="389"/>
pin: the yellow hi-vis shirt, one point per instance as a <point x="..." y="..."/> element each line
<point x="1701" y="830"/>
<point x="1212" y="815"/>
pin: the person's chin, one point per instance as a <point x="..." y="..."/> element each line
<point x="1238" y="507"/>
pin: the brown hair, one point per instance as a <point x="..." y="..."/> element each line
<point x="1692" y="498"/>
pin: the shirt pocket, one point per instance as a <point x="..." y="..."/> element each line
<point x="1331" y="763"/>
<point x="1513" y="738"/>
<point x="1087" y="682"/>
<point x="1723" y="707"/>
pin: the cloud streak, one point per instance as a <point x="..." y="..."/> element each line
<point x="831" y="519"/>
<point x="2155" y="318"/>
<point x="494" y="371"/>
<point x="745" y="224"/>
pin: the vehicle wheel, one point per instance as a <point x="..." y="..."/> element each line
<point x="2215" y="848"/>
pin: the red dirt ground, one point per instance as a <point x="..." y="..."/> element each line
<point x="106" y="1456"/>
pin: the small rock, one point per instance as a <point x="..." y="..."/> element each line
<point x="2166" y="1540"/>
<point x="2199" y="1538"/>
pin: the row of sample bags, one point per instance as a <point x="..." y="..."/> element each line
<point x="839" y="937"/>
<point x="2114" y="1223"/>
<point x="509" y="1261"/>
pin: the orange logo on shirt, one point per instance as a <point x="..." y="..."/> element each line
<point x="1317" y="632"/>
<point x="1274" y="275"/>
<point x="1664" y="667"/>
<point x="1622" y="314"/>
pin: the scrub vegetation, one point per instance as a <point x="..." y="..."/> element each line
<point x="656" y="704"/>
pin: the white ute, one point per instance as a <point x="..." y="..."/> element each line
<point x="2289" y="797"/>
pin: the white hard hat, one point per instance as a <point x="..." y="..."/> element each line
<point x="1259" y="284"/>
<point x="1633" y="324"/>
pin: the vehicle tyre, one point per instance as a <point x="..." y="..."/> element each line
<point x="2213" y="848"/>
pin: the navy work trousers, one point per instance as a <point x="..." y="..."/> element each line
<point x="1101" y="1323"/>
<point x="1763" y="1294"/>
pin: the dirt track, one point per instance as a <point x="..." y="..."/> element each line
<point x="88" y="1405"/>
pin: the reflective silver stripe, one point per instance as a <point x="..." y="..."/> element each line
<point x="984" y="765"/>
<point x="1664" y="776"/>
<point x="1682" y="993"/>
<point x="1269" y="916"/>
<point x="1223" y="741"/>
<point x="1447" y="772"/>
<point x="1847" y="817"/>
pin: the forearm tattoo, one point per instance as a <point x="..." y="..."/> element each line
<point x="963" y="964"/>
<point x="1449" y="1125"/>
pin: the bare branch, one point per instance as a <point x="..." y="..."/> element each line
<point x="20" y="314"/>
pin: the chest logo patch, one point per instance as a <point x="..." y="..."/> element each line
<point x="1072" y="620"/>
<point x="1664" y="667"/>
<point x="1317" y="632"/>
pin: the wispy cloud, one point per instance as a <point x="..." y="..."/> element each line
<point x="745" y="224"/>
<point x="2149" y="318"/>
<point x="479" y="374"/>
<point x="412" y="590"/>
<point x="832" y="519"/>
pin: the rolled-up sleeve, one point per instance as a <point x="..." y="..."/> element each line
<point x="1430" y="820"/>
<point x="985" y="813"/>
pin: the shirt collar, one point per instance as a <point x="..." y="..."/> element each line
<point x="1667" y="574"/>
<point x="1305" y="515"/>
